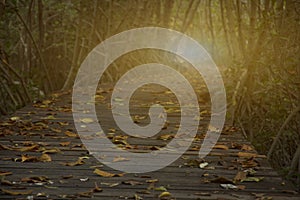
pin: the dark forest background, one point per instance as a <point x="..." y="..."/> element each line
<point x="255" y="44"/>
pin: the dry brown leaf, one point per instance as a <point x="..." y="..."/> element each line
<point x="239" y="176"/>
<point x="246" y="147"/>
<point x="45" y="158"/>
<point x="27" y="158"/>
<point x="87" y="194"/>
<point x="97" y="188"/>
<point x="6" y="182"/>
<point x="3" y="173"/>
<point x="16" y="192"/>
<point x="166" y="137"/>
<point x="63" y="123"/>
<point x="71" y="164"/>
<point x="249" y="163"/>
<point x="71" y="134"/>
<point x="55" y="150"/>
<point x="247" y="155"/>
<point x="35" y="179"/>
<point x="4" y="147"/>
<point x="106" y="174"/>
<point x="56" y="130"/>
<point x="119" y="159"/>
<point x="221" y="146"/>
<point x="30" y="148"/>
<point x="64" y="144"/>
<point x="132" y="182"/>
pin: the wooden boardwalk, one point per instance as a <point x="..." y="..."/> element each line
<point x="42" y="157"/>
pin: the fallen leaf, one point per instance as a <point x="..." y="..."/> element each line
<point x="84" y="179"/>
<point x="87" y="120"/>
<point x="252" y="179"/>
<point x="16" y="192"/>
<point x="3" y="173"/>
<point x="56" y="130"/>
<point x="15" y="118"/>
<point x="161" y="188"/>
<point x="137" y="197"/>
<point x="27" y="158"/>
<point x="72" y="164"/>
<point x="247" y="155"/>
<point x="132" y="182"/>
<point x="249" y="163"/>
<point x="110" y="184"/>
<point x="87" y="194"/>
<point x="4" y="147"/>
<point x="221" y="146"/>
<point x="164" y="194"/>
<point x="166" y="137"/>
<point x="97" y="188"/>
<point x="41" y="194"/>
<point x="35" y="179"/>
<point x="49" y="117"/>
<point x="45" y="158"/>
<point x="63" y="123"/>
<point x="241" y="175"/>
<point x="64" y="144"/>
<point x="106" y="174"/>
<point x="152" y="181"/>
<point x="71" y="134"/>
<point x="246" y="147"/>
<point x="203" y="165"/>
<point x="30" y="148"/>
<point x="6" y="182"/>
<point x="228" y="186"/>
<point x="119" y="159"/>
<point x="55" y="150"/>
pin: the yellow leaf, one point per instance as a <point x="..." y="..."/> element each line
<point x="14" y="118"/>
<point x="164" y="194"/>
<point x="31" y="148"/>
<point x="71" y="134"/>
<point x="45" y="158"/>
<point x="63" y="123"/>
<point x="64" y="144"/>
<point x="106" y="174"/>
<point x="87" y="120"/>
<point x="55" y="150"/>
<point x="221" y="146"/>
<point x="27" y="158"/>
<point x="119" y="159"/>
<point x="49" y="117"/>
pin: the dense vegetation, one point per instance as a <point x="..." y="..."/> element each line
<point x="256" y="44"/>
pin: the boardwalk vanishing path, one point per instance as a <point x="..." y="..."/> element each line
<point x="42" y="157"/>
